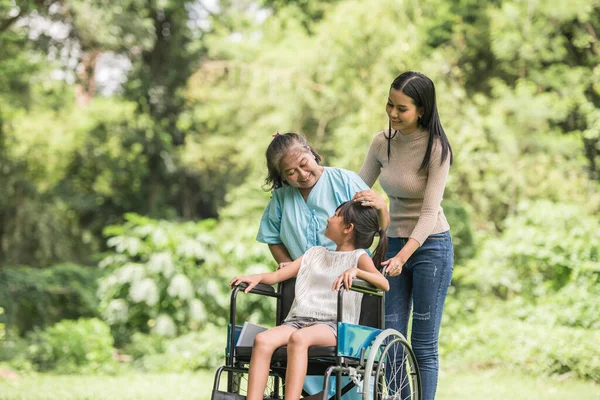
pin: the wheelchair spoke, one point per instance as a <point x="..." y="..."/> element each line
<point x="391" y="371"/>
<point x="395" y="378"/>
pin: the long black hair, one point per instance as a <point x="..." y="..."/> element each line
<point x="421" y="89"/>
<point x="366" y="226"/>
<point x="279" y="147"/>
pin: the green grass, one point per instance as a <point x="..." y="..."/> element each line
<point x="192" y="386"/>
<point x="503" y="384"/>
<point x="491" y="384"/>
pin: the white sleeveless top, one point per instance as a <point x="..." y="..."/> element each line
<point x="314" y="297"/>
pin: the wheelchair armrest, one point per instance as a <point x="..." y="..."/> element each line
<point x="361" y="286"/>
<point x="261" y="289"/>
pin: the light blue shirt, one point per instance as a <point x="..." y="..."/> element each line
<point x="300" y="225"/>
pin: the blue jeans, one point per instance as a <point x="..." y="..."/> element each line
<point x="423" y="284"/>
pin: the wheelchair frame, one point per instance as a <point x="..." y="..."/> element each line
<point x="350" y="350"/>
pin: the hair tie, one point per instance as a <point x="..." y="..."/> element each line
<point x="380" y="231"/>
<point x="276" y="134"/>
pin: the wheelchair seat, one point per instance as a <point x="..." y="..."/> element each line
<point x="244" y="353"/>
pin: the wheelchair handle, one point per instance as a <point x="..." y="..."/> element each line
<point x="261" y="288"/>
<point x="362" y="286"/>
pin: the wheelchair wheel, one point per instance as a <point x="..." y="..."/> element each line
<point x="391" y="371"/>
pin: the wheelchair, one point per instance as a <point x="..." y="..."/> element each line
<point x="377" y="362"/>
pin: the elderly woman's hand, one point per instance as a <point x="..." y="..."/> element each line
<point x="369" y="198"/>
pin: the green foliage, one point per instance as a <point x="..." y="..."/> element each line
<point x="461" y="227"/>
<point x="82" y="346"/>
<point x="154" y="275"/>
<point x="41" y="297"/>
<point x="575" y="305"/>
<point x="517" y="84"/>
<point x="543" y="248"/>
<point x="13" y="351"/>
<point x="168" y="278"/>
<point x="2" y="326"/>
<point x="142" y="345"/>
<point x="65" y="166"/>
<point x="189" y="352"/>
<point x="538" y="348"/>
<point x="309" y="12"/>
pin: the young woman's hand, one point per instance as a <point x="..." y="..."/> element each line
<point x="251" y="280"/>
<point x="393" y="266"/>
<point x="369" y="198"/>
<point x="345" y="278"/>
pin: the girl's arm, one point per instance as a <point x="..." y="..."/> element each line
<point x="269" y="278"/>
<point x="366" y="271"/>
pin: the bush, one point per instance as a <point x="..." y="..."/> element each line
<point x="2" y="326"/>
<point x="41" y="297"/>
<point x="142" y="345"/>
<point x="519" y="334"/>
<point x="461" y="229"/>
<point x="82" y="346"/>
<point x="166" y="278"/>
<point x="543" y="248"/>
<point x="159" y="274"/>
<point x="189" y="352"/>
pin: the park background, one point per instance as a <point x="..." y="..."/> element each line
<point x="132" y="139"/>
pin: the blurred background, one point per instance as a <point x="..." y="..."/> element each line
<point x="132" y="139"/>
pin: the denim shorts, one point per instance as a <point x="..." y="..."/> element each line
<point x="305" y="322"/>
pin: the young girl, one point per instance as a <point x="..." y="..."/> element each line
<point x="312" y="318"/>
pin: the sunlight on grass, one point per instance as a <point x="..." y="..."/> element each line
<point x="192" y="386"/>
<point x="455" y="383"/>
<point x="502" y="384"/>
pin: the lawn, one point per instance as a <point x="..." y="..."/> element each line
<point x="491" y="384"/>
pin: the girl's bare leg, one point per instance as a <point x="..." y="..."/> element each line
<point x="297" y="353"/>
<point x="265" y="344"/>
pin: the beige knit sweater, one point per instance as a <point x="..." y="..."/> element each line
<point x="415" y="195"/>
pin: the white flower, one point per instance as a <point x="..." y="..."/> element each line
<point x="164" y="326"/>
<point x="162" y="262"/>
<point x="181" y="287"/>
<point x="114" y="259"/>
<point x="117" y="311"/>
<point x="106" y="284"/>
<point x="197" y="310"/>
<point x="124" y="244"/>
<point x="144" y="291"/>
<point x="160" y="237"/>
<point x="143" y="230"/>
<point x="191" y="248"/>
<point x="130" y="273"/>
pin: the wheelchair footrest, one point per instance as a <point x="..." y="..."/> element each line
<point x="218" y="395"/>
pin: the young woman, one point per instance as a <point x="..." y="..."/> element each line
<point x="320" y="273"/>
<point x="412" y="159"/>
